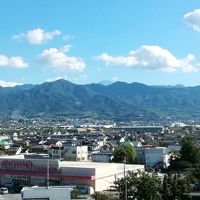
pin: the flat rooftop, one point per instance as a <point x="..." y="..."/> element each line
<point x="79" y="164"/>
<point x="98" y="165"/>
<point x="47" y="188"/>
<point x="12" y="157"/>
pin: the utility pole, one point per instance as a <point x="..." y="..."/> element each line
<point x="81" y="150"/>
<point x="47" y="173"/>
<point x="51" y="153"/>
<point x="125" y="180"/>
<point x="59" y="149"/>
<point x="60" y="153"/>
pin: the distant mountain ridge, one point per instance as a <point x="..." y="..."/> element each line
<point x="117" y="100"/>
<point x="169" y="86"/>
<point x="106" y="82"/>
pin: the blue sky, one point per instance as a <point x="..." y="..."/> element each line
<point x="151" y="42"/>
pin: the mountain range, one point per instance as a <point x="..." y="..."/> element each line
<point x="118" y="100"/>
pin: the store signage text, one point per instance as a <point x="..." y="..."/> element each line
<point x="24" y="165"/>
<point x="16" y="164"/>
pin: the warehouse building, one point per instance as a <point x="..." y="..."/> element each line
<point x="18" y="170"/>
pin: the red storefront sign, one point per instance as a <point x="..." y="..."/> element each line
<point x="26" y="168"/>
<point x="21" y="165"/>
<point x="16" y="165"/>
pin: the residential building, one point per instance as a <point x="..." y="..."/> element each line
<point x="153" y="157"/>
<point x="75" y="153"/>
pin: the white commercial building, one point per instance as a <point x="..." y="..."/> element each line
<point x="26" y="171"/>
<point x="44" y="193"/>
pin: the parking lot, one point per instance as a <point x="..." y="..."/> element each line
<point x="10" y="197"/>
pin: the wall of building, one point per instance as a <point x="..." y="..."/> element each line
<point x="100" y="176"/>
<point x="76" y="153"/>
<point x="105" y="177"/>
<point x="48" y="193"/>
<point x="101" y="157"/>
<point x="154" y="155"/>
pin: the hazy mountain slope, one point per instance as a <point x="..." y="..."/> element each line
<point x="119" y="99"/>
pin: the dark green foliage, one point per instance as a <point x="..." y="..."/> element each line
<point x="167" y="183"/>
<point x="179" y="165"/>
<point x="189" y="151"/>
<point x="104" y="196"/>
<point x="149" y="187"/>
<point x="143" y="186"/>
<point x="189" y="155"/>
<point x="124" y="152"/>
<point x="75" y="193"/>
<point x="196" y="173"/>
<point x="175" y="187"/>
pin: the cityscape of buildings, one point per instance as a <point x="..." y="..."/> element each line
<point x="81" y="155"/>
<point x="99" y="100"/>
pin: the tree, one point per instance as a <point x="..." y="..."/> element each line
<point x="149" y="188"/>
<point x="75" y="193"/>
<point x="126" y="151"/>
<point x="182" y="188"/>
<point x="145" y="186"/>
<point x="166" y="192"/>
<point x="140" y="186"/>
<point x="189" y="155"/>
<point x="189" y="151"/>
<point x="103" y="196"/>
<point x="174" y="187"/>
<point x="194" y="174"/>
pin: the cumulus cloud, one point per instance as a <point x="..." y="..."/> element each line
<point x="37" y="36"/>
<point x="59" y="60"/>
<point x="193" y="19"/>
<point x="151" y="58"/>
<point x="8" y="84"/>
<point x="13" y="62"/>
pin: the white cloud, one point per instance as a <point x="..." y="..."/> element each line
<point x="37" y="36"/>
<point x="59" y="60"/>
<point x="8" y="84"/>
<point x="18" y="37"/>
<point x="13" y="62"/>
<point x="65" y="48"/>
<point x="56" y="78"/>
<point x="193" y="19"/>
<point x="151" y="58"/>
<point x="68" y="37"/>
